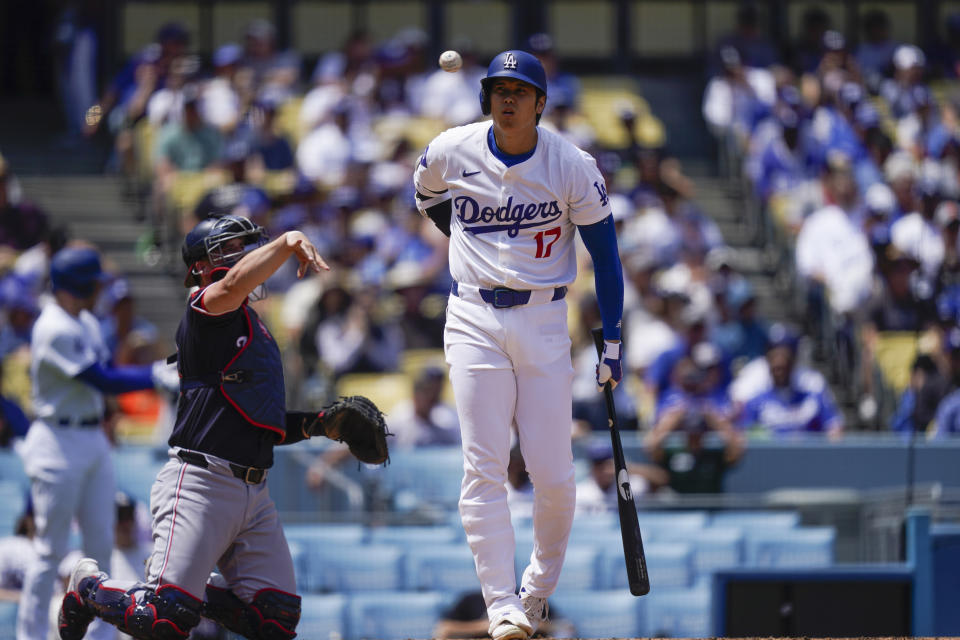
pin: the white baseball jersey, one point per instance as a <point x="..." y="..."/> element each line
<point x="522" y="217"/>
<point x="61" y="346"/>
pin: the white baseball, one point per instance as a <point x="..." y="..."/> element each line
<point x="450" y="61"/>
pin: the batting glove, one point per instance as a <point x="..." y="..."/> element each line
<point x="610" y="368"/>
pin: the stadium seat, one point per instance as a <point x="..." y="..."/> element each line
<point x="601" y="614"/>
<point x="683" y="613"/>
<point x="323" y="617"/>
<point x="655" y="524"/>
<point x="394" y="615"/>
<point x="799" y="547"/>
<point x="11" y="469"/>
<point x="580" y="568"/>
<point x="8" y="620"/>
<point x="756" y="519"/>
<point x="713" y="547"/>
<point x="136" y="467"/>
<point x="431" y="475"/>
<point x="360" y="568"/>
<point x="670" y="565"/>
<point x="441" y="567"/>
<point x="410" y="537"/>
<point x="306" y="542"/>
<point x="13" y="502"/>
<point x="386" y="390"/>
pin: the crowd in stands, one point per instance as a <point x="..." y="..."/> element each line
<point x="851" y="155"/>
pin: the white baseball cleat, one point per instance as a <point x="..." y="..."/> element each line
<point x="511" y="626"/>
<point x="536" y="609"/>
<point x="85" y="567"/>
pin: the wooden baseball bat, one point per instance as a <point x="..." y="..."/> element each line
<point x="633" y="554"/>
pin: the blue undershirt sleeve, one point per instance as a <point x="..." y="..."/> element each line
<point x="117" y="379"/>
<point x="600" y="239"/>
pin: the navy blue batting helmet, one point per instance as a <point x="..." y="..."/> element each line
<point x="76" y="270"/>
<point x="515" y="64"/>
<point x="208" y="240"/>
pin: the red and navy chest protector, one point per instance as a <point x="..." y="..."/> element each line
<point x="232" y="379"/>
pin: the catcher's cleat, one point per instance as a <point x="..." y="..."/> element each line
<point x="75" y="616"/>
<point x="512" y="626"/>
<point x="536" y="609"/>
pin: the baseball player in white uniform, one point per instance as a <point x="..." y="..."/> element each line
<point x="66" y="453"/>
<point x="510" y="196"/>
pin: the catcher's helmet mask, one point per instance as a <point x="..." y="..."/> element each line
<point x="516" y="65"/>
<point x="215" y="240"/>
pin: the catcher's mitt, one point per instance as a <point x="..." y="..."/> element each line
<point x="358" y="422"/>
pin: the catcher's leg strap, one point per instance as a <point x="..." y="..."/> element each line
<point x="169" y="613"/>
<point x="271" y="615"/>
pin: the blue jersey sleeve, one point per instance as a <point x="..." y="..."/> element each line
<point x="600" y="239"/>
<point x="117" y="379"/>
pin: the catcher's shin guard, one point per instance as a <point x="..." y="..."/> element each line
<point x="271" y="615"/>
<point x="169" y="613"/>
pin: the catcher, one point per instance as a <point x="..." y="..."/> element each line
<point x="210" y="503"/>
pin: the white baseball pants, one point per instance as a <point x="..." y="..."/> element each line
<point x="511" y="367"/>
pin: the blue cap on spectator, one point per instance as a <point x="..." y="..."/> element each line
<point x="228" y="54"/>
<point x="781" y="335"/>
<point x="790" y="95"/>
<point x="15" y="293"/>
<point x="173" y="32"/>
<point x="730" y="57"/>
<point x="540" y="43"/>
<point x="788" y="118"/>
<point x="236" y="150"/>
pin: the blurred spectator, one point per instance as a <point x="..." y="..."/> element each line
<point x="77" y="45"/>
<point x="324" y="155"/>
<point x="917" y="234"/>
<point x="735" y="99"/>
<point x="270" y="148"/>
<point x="660" y="374"/>
<point x="452" y="97"/>
<point x="807" y="51"/>
<point x="274" y="72"/>
<point x="118" y="315"/>
<point x="906" y="90"/>
<point x="794" y="403"/>
<point x="14" y="423"/>
<point x="421" y="316"/>
<point x="900" y="172"/>
<point x="597" y="493"/>
<point x="748" y="39"/>
<point x="831" y="250"/>
<point x="947" y="421"/>
<point x="945" y="59"/>
<point x="647" y="328"/>
<point x="754" y="378"/>
<point x="221" y="100"/>
<point x="741" y="334"/>
<point x="166" y="104"/>
<point x="125" y="100"/>
<point x="237" y="197"/>
<point x="16" y="553"/>
<point x="875" y="51"/>
<point x="559" y="83"/>
<point x="693" y="440"/>
<point x="22" y="225"/>
<point x="21" y="308"/>
<point x="425" y="420"/>
<point x="879" y="204"/>
<point x="191" y="145"/>
<point x="347" y="336"/>
<point x="789" y="159"/>
<point x="923" y="399"/>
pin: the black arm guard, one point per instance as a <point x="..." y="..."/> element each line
<point x="441" y="215"/>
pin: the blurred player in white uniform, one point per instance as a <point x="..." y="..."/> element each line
<point x="66" y="453"/>
<point x="510" y="196"/>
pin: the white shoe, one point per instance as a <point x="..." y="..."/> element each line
<point x="511" y="626"/>
<point x="84" y="568"/>
<point x="536" y="609"/>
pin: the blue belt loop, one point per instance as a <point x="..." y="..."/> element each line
<point x="558" y="294"/>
